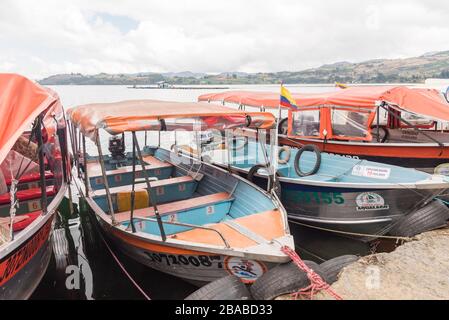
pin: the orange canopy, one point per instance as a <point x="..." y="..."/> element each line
<point x="139" y="115"/>
<point x="21" y="101"/>
<point x="426" y="102"/>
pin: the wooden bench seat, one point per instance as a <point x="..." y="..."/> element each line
<point x="94" y="169"/>
<point x="143" y="185"/>
<point x="176" y="206"/>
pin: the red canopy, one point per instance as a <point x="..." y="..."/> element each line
<point x="21" y="101"/>
<point x="426" y="102"/>
<point x="139" y="115"/>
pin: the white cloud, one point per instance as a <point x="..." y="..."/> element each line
<point x="39" y="38"/>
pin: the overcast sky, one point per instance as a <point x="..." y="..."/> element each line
<point x="40" y="38"/>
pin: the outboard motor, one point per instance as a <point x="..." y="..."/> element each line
<point x="117" y="149"/>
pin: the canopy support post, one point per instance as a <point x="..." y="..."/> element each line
<point x="378" y="124"/>
<point x="133" y="190"/>
<point x="86" y="175"/>
<point x="40" y="143"/>
<point x="105" y="178"/>
<point x="151" y="201"/>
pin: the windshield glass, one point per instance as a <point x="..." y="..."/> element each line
<point x="349" y="123"/>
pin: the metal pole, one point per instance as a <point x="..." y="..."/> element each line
<point x="133" y="191"/>
<point x="105" y="178"/>
<point x="86" y="174"/>
<point x="40" y="143"/>
<point x="378" y="124"/>
<point x="151" y="200"/>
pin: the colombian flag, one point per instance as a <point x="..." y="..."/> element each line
<point x="341" y="85"/>
<point x="287" y="100"/>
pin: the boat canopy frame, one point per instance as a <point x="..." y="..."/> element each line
<point x="86" y="121"/>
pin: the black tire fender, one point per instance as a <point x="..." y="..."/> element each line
<point x="234" y="143"/>
<point x="281" y="126"/>
<point x="226" y="288"/>
<point x="308" y="147"/>
<point x="432" y="216"/>
<point x="385" y="130"/>
<point x="287" y="151"/>
<point x="283" y="279"/>
<point x="333" y="267"/>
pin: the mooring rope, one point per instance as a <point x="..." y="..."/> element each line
<point x="397" y="238"/>
<point x="124" y="269"/>
<point x="117" y="260"/>
<point x="316" y="282"/>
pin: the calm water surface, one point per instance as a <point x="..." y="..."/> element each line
<point x="78" y="245"/>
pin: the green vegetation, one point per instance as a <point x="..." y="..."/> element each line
<point x="410" y="70"/>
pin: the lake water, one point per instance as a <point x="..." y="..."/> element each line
<point x="82" y="245"/>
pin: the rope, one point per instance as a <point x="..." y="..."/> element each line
<point x="353" y="233"/>
<point x="124" y="269"/>
<point x="316" y="282"/>
<point x="14" y="204"/>
<point x="117" y="260"/>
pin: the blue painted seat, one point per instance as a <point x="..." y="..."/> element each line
<point x="123" y="176"/>
<point x="199" y="211"/>
<point x="167" y="190"/>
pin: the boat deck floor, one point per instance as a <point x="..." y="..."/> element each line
<point x="266" y="225"/>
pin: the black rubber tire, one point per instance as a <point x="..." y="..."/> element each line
<point x="281" y="129"/>
<point x="226" y="288"/>
<point x="332" y="267"/>
<point x="385" y="136"/>
<point x="288" y="151"/>
<point x="207" y="159"/>
<point x="253" y="171"/>
<point x="308" y="147"/>
<point x="283" y="279"/>
<point x="432" y="216"/>
<point x="234" y="146"/>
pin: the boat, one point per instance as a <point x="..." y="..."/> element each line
<point x="333" y="193"/>
<point x="33" y="180"/>
<point x="389" y="124"/>
<point x="171" y="212"/>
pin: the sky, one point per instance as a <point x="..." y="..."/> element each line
<point x="45" y="37"/>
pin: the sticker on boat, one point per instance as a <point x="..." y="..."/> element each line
<point x="247" y="270"/>
<point x="371" y="172"/>
<point x="370" y="201"/>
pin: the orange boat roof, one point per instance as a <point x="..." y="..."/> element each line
<point x="21" y="101"/>
<point x="426" y="102"/>
<point x="140" y="115"/>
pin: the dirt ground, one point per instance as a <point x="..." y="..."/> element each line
<point x="418" y="269"/>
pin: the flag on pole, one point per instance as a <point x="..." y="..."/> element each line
<point x="341" y="85"/>
<point x="287" y="100"/>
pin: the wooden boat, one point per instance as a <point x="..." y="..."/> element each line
<point x="341" y="194"/>
<point x="394" y="125"/>
<point x="32" y="183"/>
<point x="174" y="213"/>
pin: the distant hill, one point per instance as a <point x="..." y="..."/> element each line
<point x="409" y="70"/>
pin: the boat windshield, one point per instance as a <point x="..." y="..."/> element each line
<point x="347" y="123"/>
<point x="340" y="123"/>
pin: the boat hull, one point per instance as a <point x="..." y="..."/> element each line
<point x="195" y="267"/>
<point x="365" y="211"/>
<point x="424" y="157"/>
<point x="22" y="270"/>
